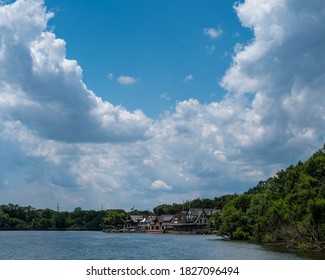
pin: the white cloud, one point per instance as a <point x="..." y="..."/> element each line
<point x="45" y="89"/>
<point x="287" y="81"/>
<point x="60" y="142"/>
<point x="126" y="80"/>
<point x="213" y="33"/>
<point x="165" y="96"/>
<point x="160" y="185"/>
<point x="188" y="78"/>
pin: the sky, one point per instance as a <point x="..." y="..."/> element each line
<point x="126" y="104"/>
<point x="150" y="54"/>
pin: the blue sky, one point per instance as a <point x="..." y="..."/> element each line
<point x="140" y="103"/>
<point x="158" y="43"/>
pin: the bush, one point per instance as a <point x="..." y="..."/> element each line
<point x="303" y="246"/>
<point x="239" y="234"/>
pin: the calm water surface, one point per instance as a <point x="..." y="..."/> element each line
<point x="74" y="245"/>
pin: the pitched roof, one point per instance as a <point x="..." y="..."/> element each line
<point x="209" y="211"/>
<point x="195" y="211"/>
<point x="167" y="218"/>
<point x="136" y="218"/>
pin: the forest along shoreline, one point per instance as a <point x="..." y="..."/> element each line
<point x="286" y="210"/>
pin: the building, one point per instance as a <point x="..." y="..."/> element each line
<point x="193" y="219"/>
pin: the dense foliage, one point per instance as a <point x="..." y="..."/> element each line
<point x="15" y="217"/>
<point x="217" y="202"/>
<point x="20" y="217"/>
<point x="287" y="209"/>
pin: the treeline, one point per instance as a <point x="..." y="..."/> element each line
<point x="117" y="217"/>
<point x="15" y="217"/>
<point x="215" y="203"/>
<point x="287" y="209"/>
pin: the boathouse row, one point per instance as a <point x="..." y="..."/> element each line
<point x="194" y="218"/>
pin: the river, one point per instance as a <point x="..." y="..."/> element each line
<point x="87" y="245"/>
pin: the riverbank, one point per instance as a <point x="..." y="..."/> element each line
<point x="193" y="232"/>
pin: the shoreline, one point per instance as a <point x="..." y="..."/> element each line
<point x="175" y="232"/>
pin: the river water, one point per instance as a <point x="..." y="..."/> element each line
<point x="87" y="245"/>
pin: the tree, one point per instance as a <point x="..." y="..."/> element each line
<point x="115" y="217"/>
<point x="234" y="219"/>
<point x="287" y="209"/>
<point x="4" y="220"/>
<point x="60" y="220"/>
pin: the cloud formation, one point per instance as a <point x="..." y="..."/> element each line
<point x="160" y="185"/>
<point x="44" y="90"/>
<point x="165" y="96"/>
<point x="126" y="80"/>
<point x="213" y="33"/>
<point x="188" y="78"/>
<point x="60" y="142"/>
<point x="283" y="70"/>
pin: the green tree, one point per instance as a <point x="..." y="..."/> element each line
<point x="234" y="219"/>
<point x="60" y="220"/>
<point x="214" y="221"/>
<point x="115" y="217"/>
<point x="4" y="220"/>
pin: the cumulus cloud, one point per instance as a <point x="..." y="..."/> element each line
<point x="188" y="78"/>
<point x="35" y="171"/>
<point x="160" y="185"/>
<point x="44" y="90"/>
<point x="126" y="80"/>
<point x="213" y="33"/>
<point x="205" y="141"/>
<point x="282" y="69"/>
<point x="274" y="113"/>
<point x="60" y="142"/>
